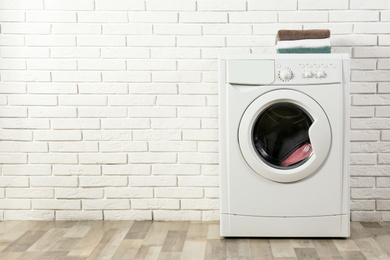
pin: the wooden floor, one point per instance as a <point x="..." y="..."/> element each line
<point x="177" y="240"/>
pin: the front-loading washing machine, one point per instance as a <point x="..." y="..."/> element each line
<point x="284" y="145"/>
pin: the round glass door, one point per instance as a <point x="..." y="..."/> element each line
<point x="281" y="135"/>
<point x="284" y="135"/>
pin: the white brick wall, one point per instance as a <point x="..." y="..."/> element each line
<point x="109" y="108"/>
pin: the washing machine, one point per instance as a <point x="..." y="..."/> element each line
<point x="284" y="145"/>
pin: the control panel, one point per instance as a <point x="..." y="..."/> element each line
<point x="308" y="72"/>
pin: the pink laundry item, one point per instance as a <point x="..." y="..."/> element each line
<point x="298" y="155"/>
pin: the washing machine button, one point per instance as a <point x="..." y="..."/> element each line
<point x="307" y="74"/>
<point x="320" y="74"/>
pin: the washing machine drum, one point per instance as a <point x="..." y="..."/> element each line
<point x="284" y="135"/>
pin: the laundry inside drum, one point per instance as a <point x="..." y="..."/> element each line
<point x="281" y="135"/>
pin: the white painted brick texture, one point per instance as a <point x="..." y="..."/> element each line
<point x="109" y="109"/>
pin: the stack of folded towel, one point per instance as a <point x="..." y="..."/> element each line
<point x="303" y="41"/>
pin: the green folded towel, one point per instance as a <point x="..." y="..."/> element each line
<point x="326" y="49"/>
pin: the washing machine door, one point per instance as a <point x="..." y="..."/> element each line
<point x="284" y="135"/>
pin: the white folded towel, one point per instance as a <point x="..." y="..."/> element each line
<point x="307" y="43"/>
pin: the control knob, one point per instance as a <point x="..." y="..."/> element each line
<point x="307" y="74"/>
<point x="321" y="74"/>
<point x="285" y="75"/>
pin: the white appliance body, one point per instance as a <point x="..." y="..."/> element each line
<point x="258" y="198"/>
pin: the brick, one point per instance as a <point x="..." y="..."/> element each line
<point x="111" y="181"/>
<point x="131" y="100"/>
<point x="203" y="17"/>
<point x="11" y="16"/>
<point x="176" y="76"/>
<point x="152" y="157"/>
<point x="153" y="88"/>
<point x="221" y="5"/>
<point x="120" y="5"/>
<point x="25" y="52"/>
<point x="21" y="170"/>
<point x="70" y="5"/>
<point x="371" y="52"/>
<point x="335" y="28"/>
<point x="13" y="112"/>
<point x="77" y="193"/>
<point x="113" y="88"/>
<point x="200" y="135"/>
<point x="177" y="29"/>
<point x="87" y="41"/>
<point x="11" y="40"/>
<point x="129" y="193"/>
<point x="383" y="182"/>
<point x="95" y="158"/>
<point x="371" y="28"/>
<point x="152" y="112"/>
<point x="128" y="123"/>
<point x="374" y="4"/>
<point x="12" y="88"/>
<point x="157" y="135"/>
<point x="174" y="5"/>
<point x="50" y="40"/>
<point x="383" y="64"/>
<point x="102" y="17"/>
<point x="383" y="88"/>
<point x="204" y="204"/>
<point x="85" y="123"/>
<point x="210" y="170"/>
<point x="15" y="204"/>
<point x="25" y="76"/>
<point x="51" y="64"/>
<point x="38" y="215"/>
<point x="149" y="41"/>
<point x="11" y="181"/>
<point x="385" y="135"/>
<point x="151" y="65"/>
<point x="224" y="29"/>
<point x="101" y="64"/>
<point x="12" y="64"/>
<point x="362" y="64"/>
<point x="131" y="169"/>
<point x="250" y="41"/>
<point x="106" y="204"/>
<point x="272" y="28"/>
<point x="12" y="135"/>
<point x="172" y="146"/>
<point x="202" y="65"/>
<point x="211" y="193"/>
<point x="362" y="111"/>
<point x="175" y="53"/>
<point x="382" y="111"/>
<point x="173" y="215"/>
<point x="80" y="100"/>
<point x="76" y="76"/>
<point x="198" y="181"/>
<point x="369" y="170"/>
<point x="297" y="16"/>
<point x="116" y="215"/>
<point x="385" y="15"/>
<point x="377" y="123"/>
<point x="123" y="146"/>
<point x="51" y="17"/>
<point x="76" y="29"/>
<point x="34" y="100"/>
<point x="76" y="170"/>
<point x="210" y="215"/>
<point x="56" y="204"/>
<point x="107" y="135"/>
<point x="13" y="158"/>
<point x="383" y="205"/>
<point x="60" y="158"/>
<point x="196" y="88"/>
<point x="369" y="147"/>
<point x="24" y="123"/>
<point x="52" y="112"/>
<point x="53" y="181"/>
<point x="175" y="123"/>
<point x="353" y="16"/>
<point x="362" y="205"/>
<point x="362" y="88"/>
<point x="200" y="41"/>
<point x="153" y="17"/>
<point x="365" y="216"/>
<point x="371" y="100"/>
<point x="52" y="88"/>
<point x="352" y="40"/>
<point x="58" y="135"/>
<point x="152" y="181"/>
<point x="253" y="17"/>
<point x="179" y="192"/>
<point x="175" y="169"/>
<point x="328" y="5"/>
<point x="101" y="112"/>
<point x="155" y="204"/>
<point x="9" y="146"/>
<point x="366" y="193"/>
<point x="198" y="112"/>
<point x="75" y="52"/>
<point x="181" y="100"/>
<point x="363" y="158"/>
<point x="123" y="53"/>
<point x="79" y="215"/>
<point x="126" y="76"/>
<point x="25" y="28"/>
<point x="383" y="158"/>
<point x="208" y="146"/>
